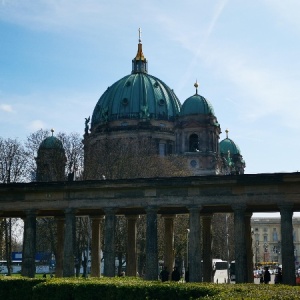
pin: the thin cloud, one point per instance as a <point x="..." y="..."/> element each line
<point x="36" y="125"/>
<point x="6" y="108"/>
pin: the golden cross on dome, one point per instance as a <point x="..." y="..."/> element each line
<point x="52" y="130"/>
<point x="196" y="86"/>
<point x="226" y="133"/>
<point x="140" y="35"/>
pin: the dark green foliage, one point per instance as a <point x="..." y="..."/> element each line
<point x="127" y="288"/>
<point x="12" y="288"/>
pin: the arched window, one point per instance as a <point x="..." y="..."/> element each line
<point x="193" y="143"/>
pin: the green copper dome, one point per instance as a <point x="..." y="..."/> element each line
<point x="137" y="96"/>
<point x="197" y="104"/>
<point x="229" y="145"/>
<point x="51" y="142"/>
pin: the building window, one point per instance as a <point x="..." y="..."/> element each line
<point x="162" y="149"/>
<point x="194" y="144"/>
<point x="275" y="235"/>
<point x="265" y="238"/>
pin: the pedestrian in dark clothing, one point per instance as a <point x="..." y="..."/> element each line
<point x="187" y="276"/>
<point x="267" y="276"/>
<point x="175" y="274"/>
<point x="164" y="275"/>
<point x="278" y="276"/>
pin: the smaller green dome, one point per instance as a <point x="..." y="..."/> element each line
<point x="51" y="142"/>
<point x="196" y="104"/>
<point x="229" y="145"/>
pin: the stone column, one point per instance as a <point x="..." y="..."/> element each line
<point x="250" y="278"/>
<point x="109" y="243"/>
<point x="29" y="244"/>
<point x="207" y="249"/>
<point x="287" y="245"/>
<point x="131" y="264"/>
<point x="96" y="247"/>
<point x="169" y="242"/>
<point x="60" y="228"/>
<point x="240" y="243"/>
<point x="194" y="265"/>
<point x="151" y="244"/>
<point x="69" y="243"/>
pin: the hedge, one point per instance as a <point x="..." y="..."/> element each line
<point x="127" y="288"/>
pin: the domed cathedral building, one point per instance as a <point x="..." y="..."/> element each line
<point x="141" y="106"/>
<point x="232" y="159"/>
<point x="50" y="160"/>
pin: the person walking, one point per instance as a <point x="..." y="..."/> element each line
<point x="175" y="274"/>
<point x="278" y="276"/>
<point x="267" y="276"/>
<point x="164" y="274"/>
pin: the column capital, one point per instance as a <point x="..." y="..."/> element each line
<point x="70" y="210"/>
<point x="286" y="207"/>
<point x="151" y="208"/>
<point x="109" y="210"/>
<point x="29" y="212"/>
<point x="239" y="207"/>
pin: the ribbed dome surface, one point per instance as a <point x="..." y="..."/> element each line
<point x="229" y="145"/>
<point x="51" y="142"/>
<point x="136" y="96"/>
<point x="197" y="104"/>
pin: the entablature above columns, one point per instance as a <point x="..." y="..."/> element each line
<point x="258" y="192"/>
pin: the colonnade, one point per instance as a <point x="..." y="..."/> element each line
<point x="199" y="231"/>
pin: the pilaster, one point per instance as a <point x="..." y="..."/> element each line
<point x="195" y="253"/>
<point x="69" y="243"/>
<point x="287" y="244"/>
<point x="29" y="244"/>
<point x="109" y="242"/>
<point x="240" y="243"/>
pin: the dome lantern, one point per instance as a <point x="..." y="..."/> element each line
<point x="140" y="63"/>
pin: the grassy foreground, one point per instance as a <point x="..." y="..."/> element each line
<point x="127" y="288"/>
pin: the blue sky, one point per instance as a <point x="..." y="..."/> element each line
<point x="57" y="57"/>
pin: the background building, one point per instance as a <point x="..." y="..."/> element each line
<point x="267" y="237"/>
<point x="141" y="106"/>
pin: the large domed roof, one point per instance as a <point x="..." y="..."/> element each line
<point x="137" y="96"/>
<point x="229" y="145"/>
<point x="197" y="104"/>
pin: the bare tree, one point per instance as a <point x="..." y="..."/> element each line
<point x="13" y="167"/>
<point x="130" y="158"/>
<point x="73" y="146"/>
<point x="13" y="161"/>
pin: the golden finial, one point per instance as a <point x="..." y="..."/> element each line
<point x="196" y="86"/>
<point x="226" y="133"/>
<point x="52" y="130"/>
<point x="140" y="54"/>
<point x="140" y="35"/>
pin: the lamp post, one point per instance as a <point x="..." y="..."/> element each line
<point x="187" y="248"/>
<point x="227" y="246"/>
<point x="256" y="253"/>
<point x="279" y="251"/>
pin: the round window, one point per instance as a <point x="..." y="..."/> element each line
<point x="193" y="163"/>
